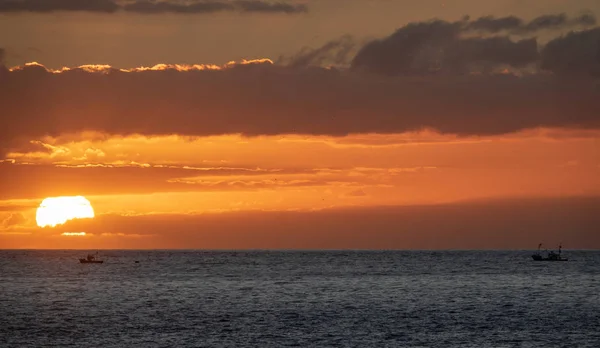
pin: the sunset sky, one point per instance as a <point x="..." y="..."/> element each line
<point x="371" y="124"/>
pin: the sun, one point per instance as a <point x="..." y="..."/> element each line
<point x="55" y="211"/>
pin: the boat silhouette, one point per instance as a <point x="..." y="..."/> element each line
<point x="91" y="259"/>
<point x="550" y="256"/>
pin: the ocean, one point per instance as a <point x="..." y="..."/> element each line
<point x="299" y="299"/>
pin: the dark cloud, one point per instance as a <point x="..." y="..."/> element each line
<point x="546" y="22"/>
<point x="148" y="6"/>
<point x="465" y="46"/>
<point x="515" y="25"/>
<point x="106" y="6"/>
<point x="470" y="225"/>
<point x="558" y="21"/>
<point x="438" y="47"/>
<point x="266" y="7"/>
<point x="411" y="49"/>
<point x="265" y="99"/>
<point x="577" y="53"/>
<point x="175" y="7"/>
<point x="492" y="24"/>
<point x="486" y="53"/>
<point x="586" y="19"/>
<point x="335" y="52"/>
<point x="3" y="70"/>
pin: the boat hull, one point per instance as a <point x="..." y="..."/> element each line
<point x="90" y="261"/>
<point x="539" y="258"/>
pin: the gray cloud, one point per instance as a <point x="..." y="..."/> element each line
<point x="546" y="22"/>
<point x="577" y="53"/>
<point x="586" y="19"/>
<point x="106" y="6"/>
<point x="266" y="99"/>
<point x="408" y="49"/>
<point x="437" y="46"/>
<point x="265" y="7"/>
<point x="3" y="68"/>
<point x="149" y="6"/>
<point x="152" y="7"/>
<point x="335" y="52"/>
<point x="494" y="50"/>
<point x="492" y="24"/>
<point x="559" y="21"/>
<point x="429" y="84"/>
<point x="515" y="25"/>
<point x="480" y="45"/>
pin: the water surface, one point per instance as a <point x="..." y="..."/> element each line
<point x="303" y="299"/>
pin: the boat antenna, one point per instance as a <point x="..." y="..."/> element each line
<point x="559" y="248"/>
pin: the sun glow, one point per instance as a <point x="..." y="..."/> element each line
<point x="55" y="211"/>
<point x="76" y="234"/>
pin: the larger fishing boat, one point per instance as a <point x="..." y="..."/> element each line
<point x="91" y="259"/>
<point x="550" y="255"/>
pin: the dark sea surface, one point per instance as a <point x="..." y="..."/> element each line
<point x="301" y="299"/>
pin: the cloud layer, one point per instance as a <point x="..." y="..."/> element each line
<point x="467" y="78"/>
<point x="472" y="225"/>
<point x="480" y="45"/>
<point x="577" y="53"/>
<point x="265" y="99"/>
<point x="515" y="25"/>
<point x="149" y="6"/>
<point x="483" y="45"/>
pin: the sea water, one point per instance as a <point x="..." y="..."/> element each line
<point x="299" y="298"/>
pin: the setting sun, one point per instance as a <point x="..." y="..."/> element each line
<point x="55" y="211"/>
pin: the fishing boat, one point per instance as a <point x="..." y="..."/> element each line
<point x="550" y="256"/>
<point x="91" y="259"/>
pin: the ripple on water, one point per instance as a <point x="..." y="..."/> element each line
<point x="278" y="299"/>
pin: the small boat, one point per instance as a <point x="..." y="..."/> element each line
<point x="91" y="259"/>
<point x="550" y="256"/>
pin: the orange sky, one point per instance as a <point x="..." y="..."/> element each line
<point x="472" y="133"/>
<point x="227" y="175"/>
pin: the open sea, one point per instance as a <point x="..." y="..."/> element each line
<point x="299" y="299"/>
